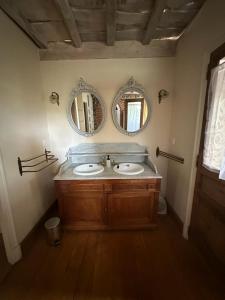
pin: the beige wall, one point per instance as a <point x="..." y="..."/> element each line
<point x="107" y="76"/>
<point x="205" y="34"/>
<point x="23" y="125"/>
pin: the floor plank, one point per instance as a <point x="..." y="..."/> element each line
<point x="157" y="264"/>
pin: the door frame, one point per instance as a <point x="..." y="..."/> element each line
<point x="209" y="61"/>
<point x="12" y="247"/>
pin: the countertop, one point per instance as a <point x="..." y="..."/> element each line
<point x="108" y="173"/>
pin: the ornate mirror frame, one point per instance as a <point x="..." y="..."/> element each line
<point x="131" y="85"/>
<point x="83" y="86"/>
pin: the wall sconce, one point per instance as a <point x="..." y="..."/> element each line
<point x="54" y="98"/>
<point x="162" y="94"/>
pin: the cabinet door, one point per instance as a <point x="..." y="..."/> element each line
<point x="84" y="209"/>
<point x="81" y="205"/>
<point x="131" y="209"/>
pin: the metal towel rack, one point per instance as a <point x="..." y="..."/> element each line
<point x="49" y="159"/>
<point x="168" y="155"/>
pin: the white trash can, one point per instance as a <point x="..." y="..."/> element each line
<point x="162" y="206"/>
<point x="53" y="229"/>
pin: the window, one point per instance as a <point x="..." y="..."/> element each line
<point x="214" y="145"/>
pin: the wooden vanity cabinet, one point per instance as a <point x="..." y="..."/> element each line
<point x="108" y="204"/>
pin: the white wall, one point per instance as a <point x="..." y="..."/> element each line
<point x="205" y="34"/>
<point x="107" y="76"/>
<point x="23" y="125"/>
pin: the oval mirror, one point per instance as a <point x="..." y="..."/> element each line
<point x="86" y="110"/>
<point x="131" y="108"/>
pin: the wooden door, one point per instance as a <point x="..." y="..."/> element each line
<point x="208" y="214"/>
<point x="131" y="209"/>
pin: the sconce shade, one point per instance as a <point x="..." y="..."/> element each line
<point x="54" y="98"/>
<point x="163" y="94"/>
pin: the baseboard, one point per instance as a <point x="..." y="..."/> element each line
<point x="5" y="266"/>
<point x="25" y="244"/>
<point x="175" y="216"/>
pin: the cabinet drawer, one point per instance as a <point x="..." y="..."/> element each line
<point x="135" y="186"/>
<point x="129" y="187"/>
<point x="72" y="187"/>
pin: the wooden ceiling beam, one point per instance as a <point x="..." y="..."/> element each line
<point x="68" y="17"/>
<point x="121" y="49"/>
<point x="154" y="20"/>
<point x="110" y="22"/>
<point x="13" y="13"/>
<point x="131" y="18"/>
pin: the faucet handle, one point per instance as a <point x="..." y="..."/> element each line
<point x="103" y="161"/>
<point x="113" y="163"/>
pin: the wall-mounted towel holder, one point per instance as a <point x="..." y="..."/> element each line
<point x="49" y="159"/>
<point x="168" y="155"/>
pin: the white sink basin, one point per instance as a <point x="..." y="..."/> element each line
<point x="88" y="169"/>
<point x="128" y="169"/>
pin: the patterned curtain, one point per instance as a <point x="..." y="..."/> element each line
<point x="214" y="147"/>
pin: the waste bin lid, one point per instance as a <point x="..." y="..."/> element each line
<point x="52" y="223"/>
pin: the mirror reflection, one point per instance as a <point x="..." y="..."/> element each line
<point x="131" y="111"/>
<point x="86" y="112"/>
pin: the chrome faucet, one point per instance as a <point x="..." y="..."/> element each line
<point x="113" y="163"/>
<point x="103" y="161"/>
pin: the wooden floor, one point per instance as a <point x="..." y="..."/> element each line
<point x="113" y="265"/>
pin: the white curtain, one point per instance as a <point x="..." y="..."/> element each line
<point x="133" y="116"/>
<point x="214" y="146"/>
